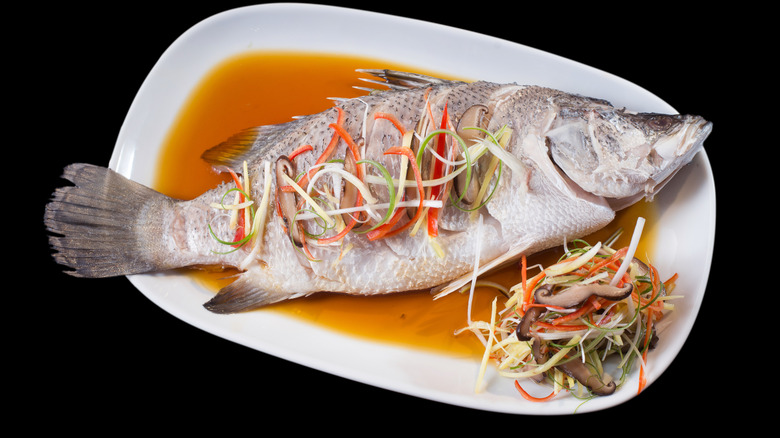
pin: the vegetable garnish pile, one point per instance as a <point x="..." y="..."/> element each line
<point x="560" y="325"/>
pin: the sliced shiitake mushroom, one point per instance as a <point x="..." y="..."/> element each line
<point x="539" y="357"/>
<point x="577" y="369"/>
<point x="288" y="202"/>
<point x="523" y="330"/>
<point x="575" y="295"/>
<point x="476" y="116"/>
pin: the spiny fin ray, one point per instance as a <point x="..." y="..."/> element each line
<point x="248" y="145"/>
<point x="244" y="294"/>
<point x="398" y="80"/>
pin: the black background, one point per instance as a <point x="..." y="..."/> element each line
<point x="97" y="354"/>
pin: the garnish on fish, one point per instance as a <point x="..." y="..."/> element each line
<point x="417" y="187"/>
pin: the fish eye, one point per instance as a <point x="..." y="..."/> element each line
<point x="658" y="122"/>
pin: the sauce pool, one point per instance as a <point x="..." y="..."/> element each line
<point x="260" y="88"/>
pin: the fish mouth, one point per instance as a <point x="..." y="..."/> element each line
<point x="675" y="151"/>
<point x="678" y="150"/>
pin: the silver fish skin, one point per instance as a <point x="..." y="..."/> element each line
<point x="571" y="162"/>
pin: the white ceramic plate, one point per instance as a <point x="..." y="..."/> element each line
<point x="687" y="206"/>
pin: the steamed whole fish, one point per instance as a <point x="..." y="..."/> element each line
<point x="414" y="187"/>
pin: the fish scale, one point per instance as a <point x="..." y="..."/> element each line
<point x="538" y="201"/>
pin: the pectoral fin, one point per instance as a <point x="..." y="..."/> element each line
<point x="512" y="255"/>
<point x="247" y="293"/>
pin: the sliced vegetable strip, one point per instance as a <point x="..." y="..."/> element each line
<point x="529" y="397"/>
<point x="438" y="171"/>
<point x="392" y="119"/>
<point x="329" y="150"/>
<point x="386" y="229"/>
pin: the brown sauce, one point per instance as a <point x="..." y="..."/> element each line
<point x="261" y="88"/>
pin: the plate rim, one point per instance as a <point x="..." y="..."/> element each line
<point x="124" y="153"/>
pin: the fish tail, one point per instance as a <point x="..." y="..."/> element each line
<point x="103" y="224"/>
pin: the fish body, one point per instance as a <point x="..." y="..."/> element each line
<point x="547" y="166"/>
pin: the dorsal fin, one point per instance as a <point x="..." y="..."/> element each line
<point x="399" y="80"/>
<point x="253" y="143"/>
<point x="246" y="145"/>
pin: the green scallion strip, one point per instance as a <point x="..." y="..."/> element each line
<point x="240" y="243"/>
<point x="390" y="190"/>
<point x="292" y="238"/>
<point x="461" y="142"/>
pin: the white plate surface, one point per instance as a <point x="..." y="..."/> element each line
<point x="686" y="228"/>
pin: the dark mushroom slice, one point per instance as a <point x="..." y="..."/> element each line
<point x="523" y="330"/>
<point x="475" y="116"/>
<point x="575" y="295"/>
<point x="643" y="268"/>
<point x="523" y="333"/>
<point x="576" y="369"/>
<point x="539" y="357"/>
<point x="287" y="200"/>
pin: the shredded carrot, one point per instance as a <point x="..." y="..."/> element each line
<point x="656" y="282"/>
<point x="326" y="154"/>
<point x="384" y="230"/>
<point x="428" y="103"/>
<point x="523" y="271"/>
<point x="392" y="119"/>
<point x="340" y="234"/>
<point x="529" y="397"/>
<point x="300" y="150"/>
<point x="306" y="250"/>
<point x="528" y="292"/>
<point x="619" y="254"/>
<point x="347" y="228"/>
<point x="353" y="147"/>
<point x="586" y="308"/>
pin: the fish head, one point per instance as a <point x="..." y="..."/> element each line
<point x="621" y="155"/>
